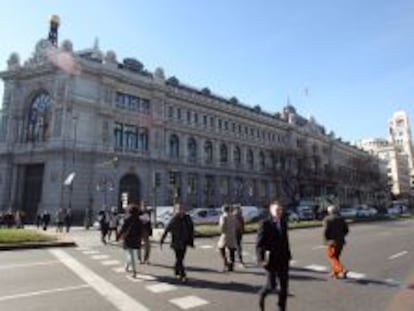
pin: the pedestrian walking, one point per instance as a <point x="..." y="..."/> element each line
<point x="145" y="216"/>
<point x="68" y="219"/>
<point x="182" y="235"/>
<point x="103" y="225"/>
<point x="335" y="231"/>
<point x="130" y="234"/>
<point x="113" y="223"/>
<point x="45" y="219"/>
<point x="60" y="219"/>
<point x="228" y="239"/>
<point x="239" y="232"/>
<point x="38" y="219"/>
<point x="273" y="254"/>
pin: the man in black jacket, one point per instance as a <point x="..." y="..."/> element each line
<point x="273" y="253"/>
<point x="182" y="235"/>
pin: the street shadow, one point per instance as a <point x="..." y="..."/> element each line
<point x="203" y="284"/>
<point x="367" y="282"/>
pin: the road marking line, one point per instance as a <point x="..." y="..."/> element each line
<point x="82" y="248"/>
<point x="206" y="246"/>
<point x="90" y="252"/>
<point x="113" y="294"/>
<point x="189" y="302"/>
<point x="146" y="277"/>
<point x="318" y="247"/>
<point x="135" y="280"/>
<point x="317" y="268"/>
<point x="400" y="254"/>
<point x="24" y="265"/>
<point x="43" y="292"/>
<point x="119" y="269"/>
<point x="356" y="275"/>
<point x="293" y="262"/>
<point x="111" y="263"/>
<point x="100" y="257"/>
<point x="161" y="288"/>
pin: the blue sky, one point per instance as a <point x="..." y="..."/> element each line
<point x="356" y="58"/>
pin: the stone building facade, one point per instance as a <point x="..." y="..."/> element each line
<point x="80" y="129"/>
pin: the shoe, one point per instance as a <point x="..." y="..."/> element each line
<point x="343" y="275"/>
<point x="134" y="275"/>
<point x="262" y="303"/>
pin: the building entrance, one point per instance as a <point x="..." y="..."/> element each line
<point x="32" y="190"/>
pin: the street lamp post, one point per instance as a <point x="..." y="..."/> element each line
<point x="75" y="122"/>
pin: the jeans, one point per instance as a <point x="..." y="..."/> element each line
<point x="131" y="254"/>
<point x="179" y="262"/>
<point x="147" y="247"/>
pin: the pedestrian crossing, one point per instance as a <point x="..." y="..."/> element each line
<point x="194" y="302"/>
<point x="184" y="303"/>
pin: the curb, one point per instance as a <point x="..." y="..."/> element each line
<point x="37" y="245"/>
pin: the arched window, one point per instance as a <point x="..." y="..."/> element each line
<point x="174" y="146"/>
<point x="192" y="149"/>
<point x="38" y="125"/>
<point x="250" y="159"/>
<point x="237" y="156"/>
<point x="223" y="154"/>
<point x="208" y="152"/>
<point x="262" y="161"/>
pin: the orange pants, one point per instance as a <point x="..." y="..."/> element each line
<point x="333" y="252"/>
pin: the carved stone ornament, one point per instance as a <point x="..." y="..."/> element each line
<point x="110" y="57"/>
<point x="67" y="46"/>
<point x="13" y="62"/>
<point x="159" y="74"/>
<point x="40" y="55"/>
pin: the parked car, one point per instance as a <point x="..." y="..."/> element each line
<point x="364" y="211"/>
<point x="251" y="213"/>
<point x="164" y="215"/>
<point x="396" y="210"/>
<point x="292" y="216"/>
<point x="305" y="212"/>
<point x="348" y="212"/>
<point x="205" y="215"/>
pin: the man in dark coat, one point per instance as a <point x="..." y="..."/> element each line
<point x="130" y="233"/>
<point x="335" y="230"/>
<point x="273" y="254"/>
<point x="182" y="235"/>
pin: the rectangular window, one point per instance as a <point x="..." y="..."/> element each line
<point x="219" y="123"/>
<point x="205" y="120"/>
<point x="189" y="116"/>
<point x="226" y="125"/>
<point x="179" y="113"/>
<point x="233" y="127"/>
<point x="212" y="121"/>
<point x="170" y="112"/>
<point x="118" y="133"/>
<point x="195" y="117"/>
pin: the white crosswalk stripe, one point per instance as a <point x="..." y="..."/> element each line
<point x="189" y="302"/>
<point x="110" y="263"/>
<point x="100" y="257"/>
<point x="161" y="288"/>
<point x="91" y="252"/>
<point x="355" y="275"/>
<point x="317" y="268"/>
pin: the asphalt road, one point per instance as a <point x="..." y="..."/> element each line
<point x="91" y="277"/>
